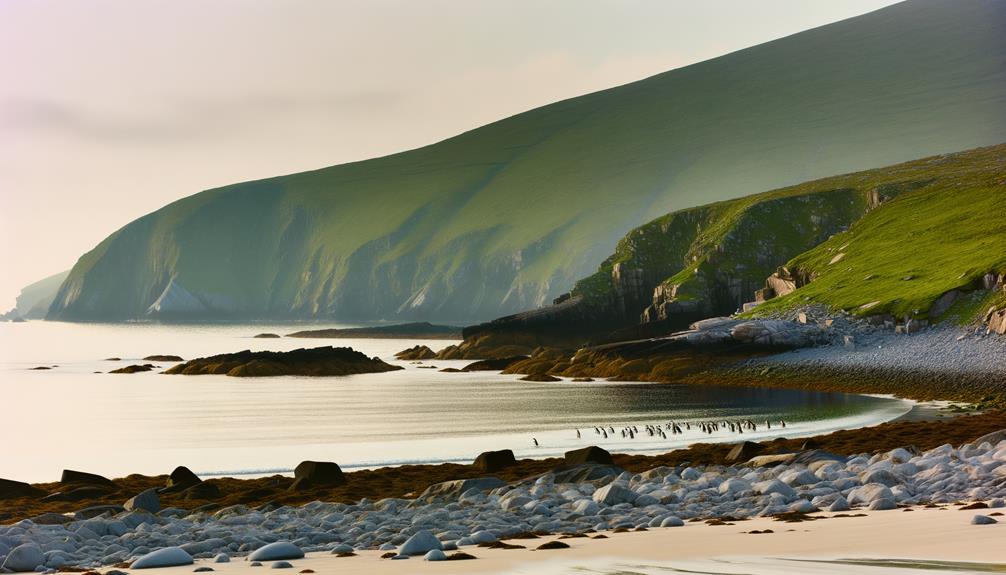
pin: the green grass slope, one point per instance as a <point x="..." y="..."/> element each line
<point x="506" y="216"/>
<point x="900" y="258"/>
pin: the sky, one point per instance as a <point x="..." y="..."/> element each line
<point x="110" y="109"/>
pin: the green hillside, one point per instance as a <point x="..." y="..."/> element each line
<point x="899" y="259"/>
<point x="507" y="216"/>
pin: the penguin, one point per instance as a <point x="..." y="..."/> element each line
<point x="535" y="441"/>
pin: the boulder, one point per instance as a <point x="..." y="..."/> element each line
<point x="310" y="474"/>
<point x="202" y="490"/>
<point x="744" y="451"/>
<point x="277" y="551"/>
<point x="10" y="489"/>
<point x="592" y="454"/>
<point x="991" y="438"/>
<point x="182" y="477"/>
<point x="869" y="493"/>
<point x="586" y="472"/>
<point x="435" y="555"/>
<point x="24" y="557"/>
<point x="983" y="520"/>
<point x="166" y="557"/>
<point x="417" y="352"/>
<point x="493" y="461"/>
<point x="494" y="364"/>
<point x="421" y="543"/>
<point x="82" y="478"/>
<point x="881" y="476"/>
<point x="80" y="493"/>
<point x="613" y="494"/>
<point x="146" y="501"/>
<point x="454" y="489"/>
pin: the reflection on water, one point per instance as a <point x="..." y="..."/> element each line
<point x="149" y="422"/>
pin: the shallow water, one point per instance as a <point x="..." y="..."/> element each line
<point x="70" y="417"/>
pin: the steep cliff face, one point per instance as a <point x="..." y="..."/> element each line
<point x="712" y="260"/>
<point x="34" y="300"/>
<point x="505" y="217"/>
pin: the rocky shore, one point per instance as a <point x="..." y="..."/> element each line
<point x="892" y="466"/>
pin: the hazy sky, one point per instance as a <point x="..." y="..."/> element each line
<point x="110" y="109"/>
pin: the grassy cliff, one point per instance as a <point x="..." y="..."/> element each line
<point x="507" y="216"/>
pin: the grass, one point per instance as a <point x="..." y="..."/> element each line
<point x="507" y="216"/>
<point x="901" y="257"/>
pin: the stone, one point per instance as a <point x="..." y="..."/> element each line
<point x="435" y="555"/>
<point x="454" y="489"/>
<point x="342" y="548"/>
<point x="493" y="461"/>
<point x="587" y="472"/>
<point x="146" y="501"/>
<point x="24" y="557"/>
<point x="744" y="451"/>
<point x="202" y="490"/>
<point x="775" y="486"/>
<point x="672" y="521"/>
<point x="882" y="505"/>
<point x="422" y="542"/>
<point x="182" y="477"/>
<point x="983" y="520"/>
<point x="591" y="454"/>
<point x="166" y="557"/>
<point x="839" y="504"/>
<point x="310" y="474"/>
<point x="276" y="551"/>
<point x="881" y="476"/>
<point x="221" y="558"/>
<point x="281" y="565"/>
<point x="10" y="489"/>
<point x="80" y="477"/>
<point x="613" y="494"/>
<point x="203" y="569"/>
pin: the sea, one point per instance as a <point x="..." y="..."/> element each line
<point x="76" y="415"/>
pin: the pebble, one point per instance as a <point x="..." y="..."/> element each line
<point x="668" y="497"/>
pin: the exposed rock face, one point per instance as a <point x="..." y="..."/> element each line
<point x="494" y="364"/>
<point x="783" y="281"/>
<point x="417" y="352"/>
<point x="318" y="362"/>
<point x="182" y="478"/>
<point x="996" y="321"/>
<point x="10" y="489"/>
<point x="82" y="478"/>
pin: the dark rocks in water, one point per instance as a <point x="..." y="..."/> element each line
<point x="39" y="368"/>
<point x="182" y="477"/>
<point x="83" y="478"/>
<point x="492" y="461"/>
<point x="135" y="368"/>
<point x="591" y="454"/>
<point x="582" y="379"/>
<point x="267" y="336"/>
<point x="451" y="370"/>
<point x="202" y="490"/>
<point x="542" y="377"/>
<point x="415" y="330"/>
<point x="309" y="474"/>
<point x="494" y="364"/>
<point x="163" y="358"/>
<point x="315" y="362"/>
<point x="416" y="353"/>
<point x="10" y="489"/>
<point x="745" y="450"/>
<point x="113" y="359"/>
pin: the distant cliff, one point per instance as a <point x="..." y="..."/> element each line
<point x="34" y="300"/>
<point x="506" y="217"/>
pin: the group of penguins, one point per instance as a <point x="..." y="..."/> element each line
<point x="707" y="427"/>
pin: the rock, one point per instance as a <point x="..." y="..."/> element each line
<point x="586" y="472"/>
<point x="552" y="545"/>
<point x="146" y="501"/>
<point x="276" y="551"/>
<point x="991" y="438"/>
<point x="96" y="510"/>
<point x="435" y="555"/>
<point x="613" y="494"/>
<point x="162" y="357"/>
<point x="136" y="368"/>
<point x="310" y="474"/>
<point x="483" y="537"/>
<point x="592" y="454"/>
<point x="266" y="336"/>
<point x="775" y="486"/>
<point x="202" y="490"/>
<point x="24" y="557"/>
<point x="166" y="557"/>
<point x="421" y="543"/>
<point x="672" y="521"/>
<point x="869" y="493"/>
<point x="978" y="520"/>
<point x="182" y="477"/>
<point x="80" y="477"/>
<point x="418" y="352"/>
<point x="255" y="564"/>
<point x="80" y="493"/>
<point x="315" y="362"/>
<point x="493" y="461"/>
<point x="540" y="377"/>
<point x="882" y="505"/>
<point x="10" y="489"/>
<point x="494" y="364"/>
<point x="881" y="476"/>
<point x="203" y="569"/>
<point x="281" y="565"/>
<point x="454" y="489"/>
<point x="744" y="451"/>
<point x="221" y="558"/>
<point x="839" y="504"/>
<point x="342" y="548"/>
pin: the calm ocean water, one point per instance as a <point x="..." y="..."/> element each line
<point x="149" y="422"/>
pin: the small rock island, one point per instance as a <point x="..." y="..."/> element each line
<point x="315" y="362"/>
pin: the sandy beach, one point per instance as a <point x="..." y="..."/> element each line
<point x="920" y="534"/>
